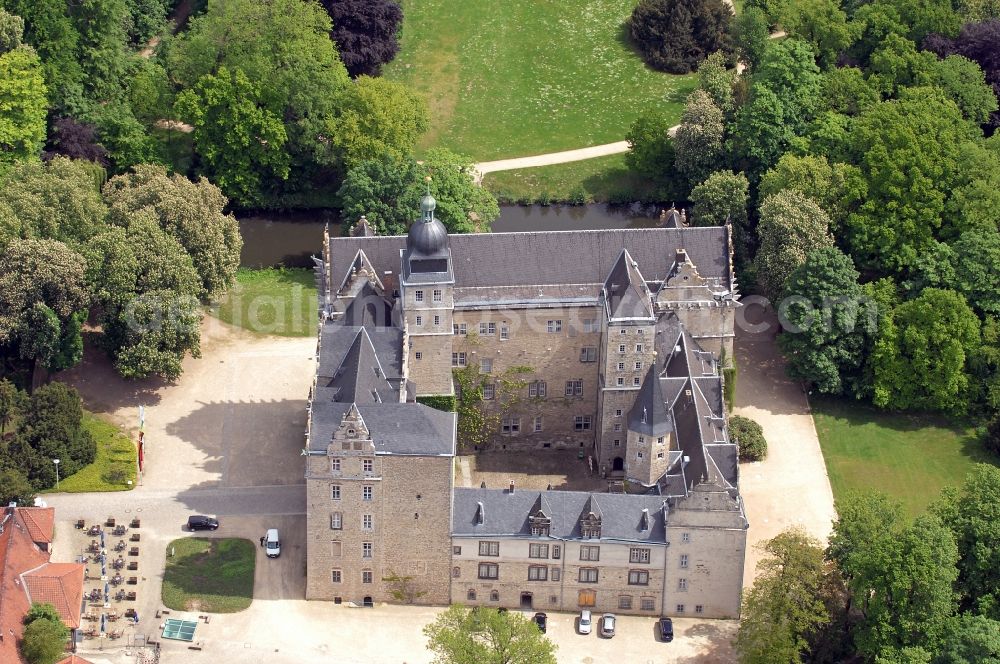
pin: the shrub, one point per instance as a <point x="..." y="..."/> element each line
<point x="544" y="198"/>
<point x="577" y="196"/>
<point x="676" y="35"/>
<point x="116" y="474"/>
<point x="749" y="437"/>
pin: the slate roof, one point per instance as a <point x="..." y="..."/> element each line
<point x="367" y="308"/>
<point x="336" y="340"/>
<point x="360" y="377"/>
<point x="506" y="514"/>
<point x="649" y="415"/>
<point x="625" y="291"/>
<point x="551" y="257"/>
<point x="395" y="428"/>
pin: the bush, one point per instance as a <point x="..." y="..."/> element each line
<point x="544" y="198"/>
<point x="44" y="641"/>
<point x="116" y="474"/>
<point x="676" y="35"/>
<point x="749" y="437"/>
<point x="577" y="196"/>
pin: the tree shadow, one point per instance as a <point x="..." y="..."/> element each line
<point x="102" y="389"/>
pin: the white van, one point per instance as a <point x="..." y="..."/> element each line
<point x="272" y="545"/>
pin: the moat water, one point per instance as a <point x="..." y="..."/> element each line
<point x="290" y="238"/>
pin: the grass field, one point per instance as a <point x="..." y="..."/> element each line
<point x="212" y="575"/>
<point x="279" y="301"/>
<point x="523" y="77"/>
<point x="604" y="179"/>
<point x="909" y="457"/>
<point x="115" y="464"/>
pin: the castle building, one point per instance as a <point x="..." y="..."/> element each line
<point x="610" y="342"/>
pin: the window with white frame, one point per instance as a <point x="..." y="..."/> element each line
<point x="582" y="422"/>
<point x="335" y="492"/>
<point x="368" y="465"/>
<point x="553" y="326"/>
<point x="538" y="424"/>
<point x="588" y="575"/>
<point x="489" y="391"/>
<point x="335" y="576"/>
<point x="458" y="359"/>
<point x="418" y="296"/>
<point x="638" y="348"/>
<point x="635" y="381"/>
<point x="618" y="426"/>
<point x="489" y="548"/>
<point x="419" y="321"/>
<point x="638" y="366"/>
<point x="334" y="465"/>
<point x="638" y="555"/>
<point x="437" y="320"/>
<point x="460" y="328"/>
<point x="621" y="348"/>
<point x="574" y="388"/>
<point x="617" y="442"/>
<point x="418" y="355"/>
<point x="620" y="381"/>
<point x="504" y="332"/>
<point x="436" y="295"/>
<point x="623" y="331"/>
<point x="336" y="521"/>
<point x="538" y="573"/>
<point x="367" y="576"/>
<point x="556" y="551"/>
<point x="588" y="354"/>
<point x="538" y="550"/>
<point x="686" y="538"/>
<point x="625" y="602"/>
<point x="489" y="571"/>
<point x="638" y="577"/>
<point x="682" y="585"/>
<point x="621" y="366"/>
<point x="590" y="325"/>
<point x="590" y="553"/>
<point x="486" y="365"/>
<point x="366" y="493"/>
<point x="536" y="388"/>
<point x="618" y="412"/>
<point x="647" y="604"/>
<point x="366" y="549"/>
<point x="684" y="561"/>
<point x="510" y="425"/>
<point x="491" y="329"/>
<point x="367" y="522"/>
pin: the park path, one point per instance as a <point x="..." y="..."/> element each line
<point x="791" y="486"/>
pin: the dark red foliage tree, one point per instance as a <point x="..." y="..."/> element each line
<point x="366" y="32"/>
<point x="676" y="35"/>
<point x="76" y="140"/>
<point x="979" y="42"/>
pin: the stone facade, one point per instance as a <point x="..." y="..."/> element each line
<point x="585" y="351"/>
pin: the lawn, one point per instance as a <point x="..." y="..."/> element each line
<point x="279" y="301"/>
<point x="115" y="464"/>
<point x="909" y="457"/>
<point x="522" y="77"/>
<point x="211" y="575"/>
<point x="603" y="179"/>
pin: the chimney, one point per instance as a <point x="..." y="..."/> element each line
<point x="511" y="487"/>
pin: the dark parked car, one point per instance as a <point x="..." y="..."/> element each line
<point x="202" y="522"/>
<point x="607" y="627"/>
<point x="540" y="619"/>
<point x="666" y="630"/>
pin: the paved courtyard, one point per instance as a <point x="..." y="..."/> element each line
<point x="225" y="440"/>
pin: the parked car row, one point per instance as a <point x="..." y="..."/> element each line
<point x="607" y="622"/>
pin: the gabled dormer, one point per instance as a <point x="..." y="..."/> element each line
<point x="590" y="519"/>
<point x="626" y="297"/>
<point x="540" y="517"/>
<point x="352" y="434"/>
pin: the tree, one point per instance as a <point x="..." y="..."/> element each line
<point x="921" y="351"/>
<point x="698" y="141"/>
<point x="15" y="487"/>
<point x="821" y="23"/>
<point x="41" y="610"/>
<point x="11" y="401"/>
<point x="717" y="80"/>
<point x="910" y="145"/>
<point x="387" y="191"/>
<point x="964" y="82"/>
<point x="650" y="149"/>
<point x="375" y="117"/>
<point x="791" y="226"/>
<point x="720" y="199"/>
<point x="827" y="321"/>
<point x="846" y="90"/>
<point x="752" y="33"/>
<point x="972" y="516"/>
<point x="486" y="636"/>
<point x="899" y="574"/>
<point x="153" y="332"/>
<point x="991" y="438"/>
<point x="145" y="19"/>
<point x="972" y="640"/>
<point x="51" y="427"/>
<point x="366" y="33"/>
<point x="57" y="200"/>
<point x="190" y="212"/>
<point x="675" y="35"/>
<point x="977" y="254"/>
<point x="22" y="105"/>
<point x="240" y="140"/>
<point x="749" y="437"/>
<point x="76" y="140"/>
<point x="783" y="605"/>
<point x="11" y="31"/>
<point x="52" y="32"/>
<point x="813" y="177"/>
<point x="979" y="42"/>
<point x="41" y="289"/>
<point x="44" y="641"/>
<point x="789" y="70"/>
<point x="403" y="588"/>
<point x="101" y="25"/>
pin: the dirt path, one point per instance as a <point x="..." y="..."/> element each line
<point x="790" y="487"/>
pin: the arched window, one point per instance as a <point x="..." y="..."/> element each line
<point x="495" y="596"/>
<point x="471" y="595"/>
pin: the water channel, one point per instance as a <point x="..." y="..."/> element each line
<point x="290" y="238"/>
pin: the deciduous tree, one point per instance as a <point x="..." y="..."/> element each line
<point x="715" y="78"/>
<point x="821" y="23"/>
<point x="698" y="141"/>
<point x="814" y="177"/>
<point x="366" y="32"/>
<point x="784" y="603"/>
<point x="22" y="105"/>
<point x="486" y="636"/>
<point x="723" y="198"/>
<point x="11" y="31"/>
<point x="791" y="226"/>
<point x="651" y="150"/>
<point x="44" y="641"/>
<point x="675" y="35"/>
<point x="921" y="353"/>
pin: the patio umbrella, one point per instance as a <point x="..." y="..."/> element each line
<point x="102" y="538"/>
<point x="103" y="619"/>
<point x="107" y="589"/>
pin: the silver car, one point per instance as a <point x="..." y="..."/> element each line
<point x="584" y="624"/>
<point x="608" y="625"/>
